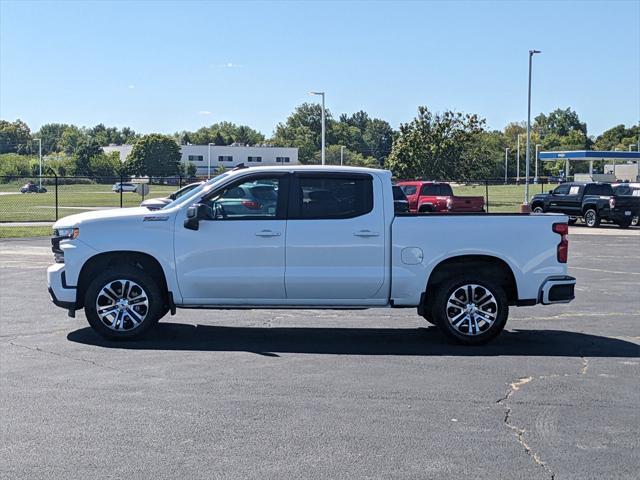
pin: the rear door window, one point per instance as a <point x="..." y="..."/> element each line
<point x="445" y="190"/>
<point x="331" y="196"/>
<point x="430" y="189"/>
<point x="598" y="190"/>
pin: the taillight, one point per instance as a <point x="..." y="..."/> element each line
<point x="562" y="229"/>
<point x="612" y="203"/>
<point x="250" y="204"/>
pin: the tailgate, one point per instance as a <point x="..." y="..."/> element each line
<point x="628" y="202"/>
<point x="467" y="204"/>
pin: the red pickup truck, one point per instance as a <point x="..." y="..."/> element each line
<point x="437" y="197"/>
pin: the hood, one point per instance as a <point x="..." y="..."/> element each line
<point x="111" y="214"/>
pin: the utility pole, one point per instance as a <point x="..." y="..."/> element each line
<point x="506" y="163"/>
<point x="518" y="162"/>
<point x="535" y="178"/>
<point x="528" y="152"/>
<point x="323" y="121"/>
<point x="40" y="155"/>
<point x="341" y="154"/>
<point x="209" y="160"/>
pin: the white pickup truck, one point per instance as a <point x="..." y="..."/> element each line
<point x="306" y="237"/>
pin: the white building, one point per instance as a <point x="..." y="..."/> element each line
<point x="226" y="156"/>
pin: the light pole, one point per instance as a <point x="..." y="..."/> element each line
<point x="518" y="162"/>
<point x="535" y="178"/>
<point x="506" y="163"/>
<point x="321" y="94"/>
<point x="341" y="154"/>
<point x="527" y="162"/>
<point x="40" y="155"/>
<point x="209" y="160"/>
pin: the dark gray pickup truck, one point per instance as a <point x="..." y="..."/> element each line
<point x="593" y="202"/>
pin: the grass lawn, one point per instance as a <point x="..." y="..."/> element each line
<point x="502" y="198"/>
<point x="19" y="232"/>
<point x="72" y="199"/>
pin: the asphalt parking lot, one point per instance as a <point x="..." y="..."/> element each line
<point x="324" y="394"/>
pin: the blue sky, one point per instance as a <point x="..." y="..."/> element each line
<point x="169" y="66"/>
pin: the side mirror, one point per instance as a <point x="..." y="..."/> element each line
<point x="195" y="213"/>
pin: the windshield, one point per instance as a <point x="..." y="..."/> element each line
<point x="198" y="188"/>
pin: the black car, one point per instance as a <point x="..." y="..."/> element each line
<point x="32" y="188"/>
<point x="400" y="201"/>
<point x="593" y="202"/>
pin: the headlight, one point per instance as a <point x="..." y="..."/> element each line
<point x="66" y="233"/>
<point x="60" y="234"/>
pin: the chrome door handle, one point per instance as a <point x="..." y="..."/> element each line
<point x="267" y="233"/>
<point x="366" y="233"/>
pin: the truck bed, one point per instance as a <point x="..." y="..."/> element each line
<point x="525" y="242"/>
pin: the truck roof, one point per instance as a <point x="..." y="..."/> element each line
<point x="314" y="168"/>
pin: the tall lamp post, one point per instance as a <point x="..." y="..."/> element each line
<point x="518" y="161"/>
<point x="321" y="94"/>
<point x="535" y="178"/>
<point x="209" y="160"/>
<point x="341" y="154"/>
<point x="506" y="164"/>
<point x="40" y="155"/>
<point x="527" y="161"/>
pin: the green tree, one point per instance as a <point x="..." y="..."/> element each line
<point x="351" y="158"/>
<point x="439" y="146"/>
<point x="105" y="166"/>
<point x="378" y="139"/>
<point x="51" y="135"/>
<point x="303" y="130"/>
<point x="618" y="137"/>
<point x="154" y="154"/>
<point x="14" y="137"/>
<point x="86" y="149"/>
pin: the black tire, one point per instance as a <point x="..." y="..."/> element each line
<point x="155" y="308"/>
<point x="537" y="208"/>
<point x="635" y="221"/>
<point x="429" y="320"/>
<point x="591" y="218"/>
<point x="572" y="220"/>
<point x="624" y="223"/>
<point x="497" y="307"/>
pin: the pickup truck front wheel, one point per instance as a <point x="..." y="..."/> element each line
<point x="470" y="310"/>
<point x="123" y="303"/>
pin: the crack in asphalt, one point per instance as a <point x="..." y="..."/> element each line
<point x="84" y="360"/>
<point x="519" y="432"/>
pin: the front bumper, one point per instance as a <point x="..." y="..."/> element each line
<point x="557" y="290"/>
<point x="62" y="294"/>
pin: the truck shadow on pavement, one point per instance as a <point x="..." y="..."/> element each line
<point x="361" y="341"/>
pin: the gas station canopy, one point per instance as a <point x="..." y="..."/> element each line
<point x="595" y="155"/>
<point x="589" y="155"/>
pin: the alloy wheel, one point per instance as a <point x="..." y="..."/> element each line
<point x="122" y="305"/>
<point x="472" y="309"/>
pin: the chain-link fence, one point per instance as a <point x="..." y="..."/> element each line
<point x="48" y="198"/>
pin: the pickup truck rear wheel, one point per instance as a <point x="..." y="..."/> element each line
<point x="538" y="209"/>
<point x="591" y="218"/>
<point x="470" y="310"/>
<point x="123" y="303"/>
